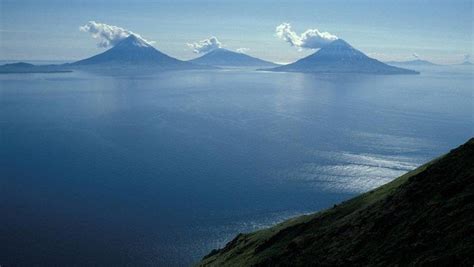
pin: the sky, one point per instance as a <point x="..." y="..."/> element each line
<point x="439" y="31"/>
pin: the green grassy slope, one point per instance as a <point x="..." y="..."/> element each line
<point x="423" y="217"/>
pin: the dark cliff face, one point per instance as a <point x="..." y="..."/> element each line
<point x="425" y="217"/>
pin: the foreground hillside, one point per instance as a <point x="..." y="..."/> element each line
<point x="425" y="217"/>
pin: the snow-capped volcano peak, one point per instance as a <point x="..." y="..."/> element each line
<point x="133" y="41"/>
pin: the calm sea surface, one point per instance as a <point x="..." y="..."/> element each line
<point x="158" y="169"/>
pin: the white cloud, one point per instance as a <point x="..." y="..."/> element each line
<point x="311" y="38"/>
<point x="242" y="50"/>
<point x="108" y="35"/>
<point x="205" y="45"/>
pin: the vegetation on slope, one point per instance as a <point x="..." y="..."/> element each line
<point x="423" y="217"/>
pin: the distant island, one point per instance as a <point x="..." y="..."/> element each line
<point x="225" y="58"/>
<point x="424" y="217"/>
<point x="129" y="54"/>
<point x="22" y="67"/>
<point x="133" y="53"/>
<point x="416" y="62"/>
<point x="340" y="57"/>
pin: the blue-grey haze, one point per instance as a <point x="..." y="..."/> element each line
<point x="100" y="169"/>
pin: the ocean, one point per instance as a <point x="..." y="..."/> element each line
<point x="161" y="168"/>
